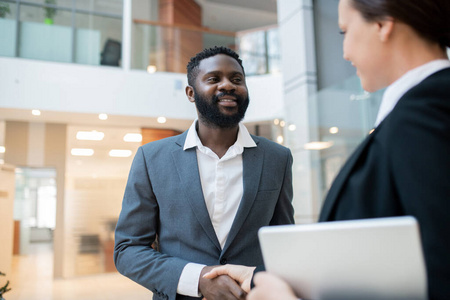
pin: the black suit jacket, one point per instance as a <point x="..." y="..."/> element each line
<point x="403" y="168"/>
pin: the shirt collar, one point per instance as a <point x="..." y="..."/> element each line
<point x="244" y="139"/>
<point x="410" y="79"/>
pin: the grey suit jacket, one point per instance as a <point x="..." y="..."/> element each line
<point x="164" y="199"/>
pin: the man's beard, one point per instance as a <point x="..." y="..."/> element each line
<point x="209" y="111"/>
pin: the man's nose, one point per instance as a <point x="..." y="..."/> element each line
<point x="227" y="85"/>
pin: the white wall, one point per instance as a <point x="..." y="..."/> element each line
<point x="30" y="84"/>
<point x="7" y="184"/>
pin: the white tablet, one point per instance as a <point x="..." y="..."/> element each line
<point x="362" y="259"/>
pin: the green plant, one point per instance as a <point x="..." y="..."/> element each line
<point x="50" y="12"/>
<point x="5" y="288"/>
<point x="4" y="9"/>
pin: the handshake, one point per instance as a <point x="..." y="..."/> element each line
<point x="233" y="282"/>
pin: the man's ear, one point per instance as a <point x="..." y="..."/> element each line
<point x="385" y="29"/>
<point x="190" y="93"/>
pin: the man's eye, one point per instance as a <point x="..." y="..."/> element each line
<point x="237" y="80"/>
<point x="212" y="79"/>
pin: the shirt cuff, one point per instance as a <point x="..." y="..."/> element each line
<point x="188" y="283"/>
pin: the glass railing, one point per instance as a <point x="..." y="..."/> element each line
<point x="167" y="48"/>
<point x="61" y="31"/>
<point x="82" y="32"/>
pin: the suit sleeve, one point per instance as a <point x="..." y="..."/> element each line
<point x="284" y="211"/>
<point x="136" y="230"/>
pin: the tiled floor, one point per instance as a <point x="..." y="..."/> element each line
<point x="32" y="279"/>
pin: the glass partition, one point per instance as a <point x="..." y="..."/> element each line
<point x="260" y="51"/>
<point x="158" y="47"/>
<point x="339" y="118"/>
<point x="73" y="31"/>
<point x="8" y="28"/>
<point x="97" y="40"/>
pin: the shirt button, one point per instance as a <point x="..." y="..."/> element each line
<point x="223" y="261"/>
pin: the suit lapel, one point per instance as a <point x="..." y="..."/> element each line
<point x="340" y="180"/>
<point x="252" y="159"/>
<point x="187" y="168"/>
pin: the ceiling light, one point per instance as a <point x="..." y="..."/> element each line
<point x="2" y="149"/>
<point x="90" y="135"/>
<point x="282" y="123"/>
<point x="334" y="130"/>
<point x="36" y="112"/>
<point x="280" y="139"/>
<point x="292" y="127"/>
<point x="161" y="120"/>
<point x="133" y="137"/>
<point x="318" y="145"/>
<point x="151" y="69"/>
<point x="103" y="116"/>
<point x="120" y="153"/>
<point x="276" y="121"/>
<point x="82" y="152"/>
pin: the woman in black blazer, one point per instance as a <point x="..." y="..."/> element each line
<point x="403" y="167"/>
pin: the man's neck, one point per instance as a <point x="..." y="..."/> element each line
<point x="219" y="140"/>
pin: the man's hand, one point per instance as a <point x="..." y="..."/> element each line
<point x="220" y="287"/>
<point x="270" y="287"/>
<point x="242" y="274"/>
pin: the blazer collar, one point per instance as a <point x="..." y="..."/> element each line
<point x="187" y="168"/>
<point x="253" y="159"/>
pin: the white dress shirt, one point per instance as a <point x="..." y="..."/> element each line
<point x="223" y="187"/>
<point x="410" y="79"/>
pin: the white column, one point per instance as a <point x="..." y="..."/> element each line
<point x="126" y="35"/>
<point x="296" y="29"/>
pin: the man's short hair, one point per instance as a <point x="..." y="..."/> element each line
<point x="192" y="66"/>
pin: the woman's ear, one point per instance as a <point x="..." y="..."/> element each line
<point x="190" y="93"/>
<point x="385" y="29"/>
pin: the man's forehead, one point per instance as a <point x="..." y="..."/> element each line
<point x="219" y="63"/>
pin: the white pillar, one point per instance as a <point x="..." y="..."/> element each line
<point x="126" y="35"/>
<point x="296" y="29"/>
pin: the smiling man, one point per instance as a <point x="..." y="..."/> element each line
<point x="204" y="194"/>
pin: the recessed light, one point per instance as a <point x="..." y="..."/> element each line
<point x="161" y="120"/>
<point x="2" y="149"/>
<point x="318" y="145"/>
<point x="103" y="116"/>
<point x="151" y="69"/>
<point x="120" y="153"/>
<point x="276" y="121"/>
<point x="82" y="152"/>
<point x="292" y="127"/>
<point x="90" y="135"/>
<point x="334" y="130"/>
<point x="280" y="139"/>
<point x="133" y="137"/>
<point x="36" y="112"/>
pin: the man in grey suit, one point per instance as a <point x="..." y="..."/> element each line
<point x="204" y="194"/>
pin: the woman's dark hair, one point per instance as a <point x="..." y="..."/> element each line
<point x="429" y="18"/>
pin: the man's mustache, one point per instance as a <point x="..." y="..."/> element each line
<point x="222" y="94"/>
